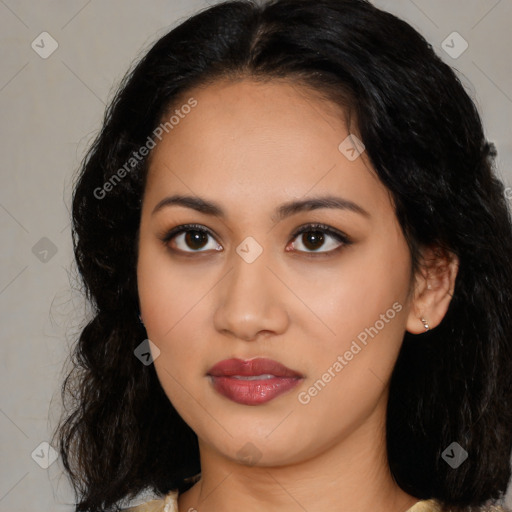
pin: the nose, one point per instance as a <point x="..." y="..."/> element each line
<point x="250" y="302"/>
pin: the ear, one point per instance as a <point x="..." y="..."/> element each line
<point x="433" y="289"/>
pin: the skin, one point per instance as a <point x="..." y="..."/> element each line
<point x="250" y="147"/>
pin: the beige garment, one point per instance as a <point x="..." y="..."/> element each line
<point x="170" y="504"/>
<point x="167" y="504"/>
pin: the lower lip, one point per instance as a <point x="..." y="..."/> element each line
<point x="253" y="392"/>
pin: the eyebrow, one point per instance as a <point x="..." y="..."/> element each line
<point x="285" y="210"/>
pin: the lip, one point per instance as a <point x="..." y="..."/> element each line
<point x="223" y="376"/>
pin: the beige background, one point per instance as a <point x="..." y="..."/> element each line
<point x="50" y="109"/>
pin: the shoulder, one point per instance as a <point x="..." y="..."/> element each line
<point x="495" y="508"/>
<point x="168" y="503"/>
<point x="425" y="506"/>
<point x="433" y="505"/>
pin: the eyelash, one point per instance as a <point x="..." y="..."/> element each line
<point x="324" y="229"/>
<point x="337" y="235"/>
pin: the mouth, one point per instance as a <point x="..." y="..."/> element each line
<point x="254" y="381"/>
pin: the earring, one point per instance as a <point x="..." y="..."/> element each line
<point x="140" y="319"/>
<point x="425" y="323"/>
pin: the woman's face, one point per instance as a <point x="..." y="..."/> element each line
<point x="253" y="163"/>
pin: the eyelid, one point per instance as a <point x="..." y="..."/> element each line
<point x="171" y="233"/>
<point x="316" y="226"/>
<point x="343" y="239"/>
<point x="311" y="226"/>
<point x="168" y="235"/>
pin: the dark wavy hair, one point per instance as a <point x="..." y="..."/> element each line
<point x="119" y="433"/>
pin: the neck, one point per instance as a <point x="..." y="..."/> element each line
<point x="351" y="475"/>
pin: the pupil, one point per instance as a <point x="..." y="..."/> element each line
<point x="313" y="239"/>
<point x="195" y="239"/>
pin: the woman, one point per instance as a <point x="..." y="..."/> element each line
<point x="299" y="258"/>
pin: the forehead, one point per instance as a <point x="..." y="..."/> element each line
<point x="255" y="141"/>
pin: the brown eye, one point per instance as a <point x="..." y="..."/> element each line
<point x="190" y="239"/>
<point x="318" y="238"/>
<point x="195" y="239"/>
<point x="312" y="240"/>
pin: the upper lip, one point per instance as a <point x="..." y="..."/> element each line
<point x="257" y="366"/>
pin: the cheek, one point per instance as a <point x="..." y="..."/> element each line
<point x="165" y="293"/>
<point x="355" y="293"/>
<point x="175" y="308"/>
<point x="170" y="306"/>
<point x="364" y="305"/>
